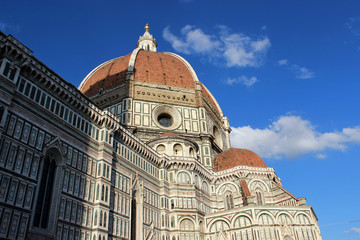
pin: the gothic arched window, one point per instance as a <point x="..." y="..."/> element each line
<point x="259" y="197"/>
<point x="43" y="203"/>
<point x="229" y="201"/>
<point x="102" y="192"/>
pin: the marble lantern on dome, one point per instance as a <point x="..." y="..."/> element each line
<point x="140" y="150"/>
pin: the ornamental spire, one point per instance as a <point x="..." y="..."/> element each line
<point x="147" y="41"/>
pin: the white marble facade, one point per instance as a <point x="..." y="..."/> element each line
<point x="70" y="169"/>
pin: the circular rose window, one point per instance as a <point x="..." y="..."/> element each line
<point x="165" y="120"/>
<point x="167" y="117"/>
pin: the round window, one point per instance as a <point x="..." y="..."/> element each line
<point x="167" y="117"/>
<point x="165" y="120"/>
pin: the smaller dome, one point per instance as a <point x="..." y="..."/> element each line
<point x="234" y="157"/>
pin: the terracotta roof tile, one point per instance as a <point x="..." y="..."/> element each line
<point x="107" y="76"/>
<point x="155" y="67"/>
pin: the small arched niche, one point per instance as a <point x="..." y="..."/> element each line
<point x="191" y="152"/>
<point x="178" y="150"/>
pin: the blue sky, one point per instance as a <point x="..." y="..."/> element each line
<point x="286" y="73"/>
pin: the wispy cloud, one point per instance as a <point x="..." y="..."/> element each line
<point x="302" y="72"/>
<point x="354" y="230"/>
<point x="242" y="80"/>
<point x="283" y="62"/>
<point x="195" y="40"/>
<point x="291" y="136"/>
<point x="299" y="71"/>
<point x="235" y="49"/>
<point x="353" y="24"/>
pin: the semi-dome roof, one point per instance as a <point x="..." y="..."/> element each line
<point x="234" y="157"/>
<point x="145" y="65"/>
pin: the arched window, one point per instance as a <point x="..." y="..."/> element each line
<point x="95" y="217"/>
<point x="43" y="204"/>
<point x="191" y="152"/>
<point x="102" y="192"/>
<point x="97" y="192"/>
<point x="259" y="197"/>
<point x="266" y="219"/>
<point x="187" y="224"/>
<point x="205" y="187"/>
<point x="196" y="181"/>
<point x="101" y="218"/>
<point x="172" y="222"/>
<point x="229" y="201"/>
<point x="285" y="219"/>
<point x="201" y="223"/>
<point x="106" y="194"/>
<point x="219" y="226"/>
<point x="105" y="219"/>
<point x="178" y="150"/>
<point x="302" y="219"/>
<point x="242" y="221"/>
<point x="99" y="169"/>
<point x="183" y="178"/>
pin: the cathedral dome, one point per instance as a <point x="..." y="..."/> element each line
<point x="148" y="67"/>
<point x="234" y="157"/>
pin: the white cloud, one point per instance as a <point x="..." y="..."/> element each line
<point x="292" y="136"/>
<point x="357" y="230"/>
<point x="302" y="72"/>
<point x="283" y="62"/>
<point x="299" y="71"/>
<point x="354" y="230"/>
<point x="236" y="49"/>
<point x="243" y="80"/>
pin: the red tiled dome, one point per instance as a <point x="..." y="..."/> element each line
<point x="237" y="157"/>
<point x="150" y="67"/>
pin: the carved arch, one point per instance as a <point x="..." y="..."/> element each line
<point x="257" y="183"/>
<point x="228" y="186"/>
